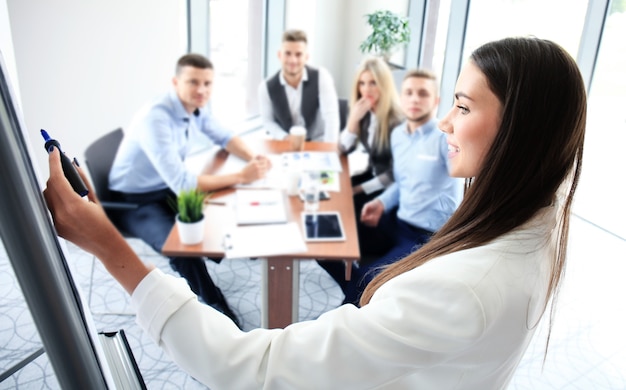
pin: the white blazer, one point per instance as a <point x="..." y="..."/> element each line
<point x="461" y="321"/>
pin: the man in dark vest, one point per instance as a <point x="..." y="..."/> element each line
<point x="299" y="95"/>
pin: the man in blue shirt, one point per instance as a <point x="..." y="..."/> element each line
<point x="422" y="197"/>
<point x="149" y="166"/>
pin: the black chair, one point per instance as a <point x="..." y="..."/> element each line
<point x="343" y="113"/>
<point x="99" y="158"/>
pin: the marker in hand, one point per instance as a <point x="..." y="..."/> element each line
<point x="68" y="168"/>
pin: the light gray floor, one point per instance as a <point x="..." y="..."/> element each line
<point x="587" y="349"/>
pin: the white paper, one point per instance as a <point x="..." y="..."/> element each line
<point x="312" y="161"/>
<point x="274" y="178"/>
<point x="263" y="241"/>
<point x="260" y="207"/>
<point x="329" y="181"/>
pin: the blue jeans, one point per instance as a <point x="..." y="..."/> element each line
<point x="152" y="222"/>
<point x="403" y="240"/>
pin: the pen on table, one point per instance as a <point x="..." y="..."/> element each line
<point x="262" y="203"/>
<point x="216" y="202"/>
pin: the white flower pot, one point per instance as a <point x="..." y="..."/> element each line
<point x="190" y="233"/>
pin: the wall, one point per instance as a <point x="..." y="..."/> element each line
<point x="334" y="39"/>
<point x="84" y="67"/>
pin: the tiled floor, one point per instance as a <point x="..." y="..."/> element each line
<point x="587" y="348"/>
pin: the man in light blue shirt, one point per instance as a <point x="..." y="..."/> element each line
<point x="422" y="197"/>
<point x="149" y="166"/>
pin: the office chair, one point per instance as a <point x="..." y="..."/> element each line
<point x="99" y="158"/>
<point x="343" y="113"/>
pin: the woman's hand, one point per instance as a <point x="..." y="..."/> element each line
<point x="84" y="222"/>
<point x="76" y="219"/>
<point x="357" y="112"/>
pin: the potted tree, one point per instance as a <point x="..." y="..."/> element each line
<point x="190" y="217"/>
<point x="389" y="32"/>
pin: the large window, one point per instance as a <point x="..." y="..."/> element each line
<point x="230" y="34"/>
<point x="561" y="21"/>
<point x="473" y="23"/>
<point x="601" y="192"/>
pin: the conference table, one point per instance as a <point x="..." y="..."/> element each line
<point x="280" y="273"/>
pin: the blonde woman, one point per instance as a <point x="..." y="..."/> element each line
<point x="374" y="112"/>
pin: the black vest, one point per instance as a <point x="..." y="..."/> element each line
<point x="308" y="108"/>
<point x="379" y="160"/>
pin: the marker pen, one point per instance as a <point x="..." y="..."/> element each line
<point x="68" y="168"/>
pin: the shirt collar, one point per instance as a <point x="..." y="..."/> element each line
<point x="179" y="109"/>
<point x="425" y="128"/>
<point x="305" y="77"/>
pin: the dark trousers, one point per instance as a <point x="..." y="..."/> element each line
<point x="369" y="237"/>
<point x="399" y="237"/>
<point x="152" y="222"/>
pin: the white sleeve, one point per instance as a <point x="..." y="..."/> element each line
<point x="395" y="335"/>
<point x="329" y="106"/>
<point x="372" y="185"/>
<point x="347" y="139"/>
<point x="272" y="128"/>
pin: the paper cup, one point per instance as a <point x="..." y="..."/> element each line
<point x="297" y="136"/>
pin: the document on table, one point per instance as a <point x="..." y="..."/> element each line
<point x="274" y="178"/>
<point x="260" y="207"/>
<point x="330" y="181"/>
<point x="263" y="241"/>
<point x="313" y="161"/>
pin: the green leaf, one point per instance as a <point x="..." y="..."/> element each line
<point x="189" y="205"/>
<point x="389" y="31"/>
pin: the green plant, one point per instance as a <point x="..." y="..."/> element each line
<point x="189" y="204"/>
<point x="389" y="31"/>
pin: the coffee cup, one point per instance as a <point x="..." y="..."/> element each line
<point x="297" y="136"/>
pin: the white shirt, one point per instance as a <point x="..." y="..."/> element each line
<point x="461" y="321"/>
<point x="327" y="115"/>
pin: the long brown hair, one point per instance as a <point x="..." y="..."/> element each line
<point x="536" y="155"/>
<point x="388" y="111"/>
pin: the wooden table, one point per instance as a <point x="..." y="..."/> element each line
<point x="280" y="285"/>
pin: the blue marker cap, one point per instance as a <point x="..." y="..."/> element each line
<point x="45" y="135"/>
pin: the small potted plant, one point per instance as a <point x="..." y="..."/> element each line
<point x="389" y="32"/>
<point x="190" y="217"/>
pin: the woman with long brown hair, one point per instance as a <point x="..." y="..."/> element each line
<point x="459" y="312"/>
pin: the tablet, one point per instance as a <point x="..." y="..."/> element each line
<point x="322" y="226"/>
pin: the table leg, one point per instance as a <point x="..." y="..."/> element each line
<point x="279" y="293"/>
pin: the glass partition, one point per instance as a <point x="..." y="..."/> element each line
<point x="601" y="191"/>
<point x="561" y="21"/>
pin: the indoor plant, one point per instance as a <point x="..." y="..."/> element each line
<point x="389" y="32"/>
<point x="190" y="217"/>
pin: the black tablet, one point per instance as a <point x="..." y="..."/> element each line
<point x="323" y="226"/>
